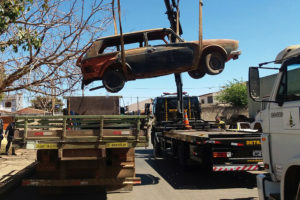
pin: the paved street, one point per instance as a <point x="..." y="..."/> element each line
<point x="162" y="179"/>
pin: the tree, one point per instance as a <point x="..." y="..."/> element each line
<point x="40" y="41"/>
<point x="45" y="103"/>
<point x="234" y="93"/>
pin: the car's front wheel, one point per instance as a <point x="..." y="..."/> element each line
<point x="214" y="63"/>
<point x="113" y="80"/>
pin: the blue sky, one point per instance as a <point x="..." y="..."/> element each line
<point x="263" y="27"/>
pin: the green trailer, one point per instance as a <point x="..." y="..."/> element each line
<point x="83" y="150"/>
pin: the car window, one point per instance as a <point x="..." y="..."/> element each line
<point x="110" y="49"/>
<point x="93" y="50"/>
<point x="133" y="45"/>
<point x="157" y="42"/>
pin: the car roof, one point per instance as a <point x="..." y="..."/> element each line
<point x="154" y="34"/>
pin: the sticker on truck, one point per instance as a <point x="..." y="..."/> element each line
<point x="257" y="153"/>
<point x="253" y="142"/>
<point x="116" y="145"/>
<point x="46" y="146"/>
<point x="36" y="145"/>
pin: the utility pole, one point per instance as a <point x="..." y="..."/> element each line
<point x="53" y="93"/>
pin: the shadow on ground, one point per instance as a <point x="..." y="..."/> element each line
<point x="147" y="179"/>
<point x="194" y="177"/>
<point x="74" y="193"/>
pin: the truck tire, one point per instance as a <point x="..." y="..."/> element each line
<point x="183" y="153"/>
<point x="113" y="80"/>
<point x="297" y="196"/>
<point x="214" y="62"/>
<point x="207" y="159"/>
<point x="156" y="147"/>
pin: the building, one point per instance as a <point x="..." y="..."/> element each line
<point x="211" y="108"/>
<point x="11" y="103"/>
<point x="31" y="111"/>
<point x="139" y="107"/>
<point x="209" y="98"/>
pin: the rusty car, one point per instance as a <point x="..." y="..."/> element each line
<point x="150" y="53"/>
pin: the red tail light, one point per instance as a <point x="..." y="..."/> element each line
<point x="221" y="154"/>
<point x="266" y="166"/>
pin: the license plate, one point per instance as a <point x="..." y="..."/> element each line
<point x="257" y="153"/>
<point x="46" y="146"/>
<point x="117" y="145"/>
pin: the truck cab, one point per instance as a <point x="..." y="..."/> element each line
<point x="165" y="108"/>
<point x="281" y="128"/>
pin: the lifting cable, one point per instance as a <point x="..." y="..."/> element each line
<point x="200" y="29"/>
<point x="124" y="69"/>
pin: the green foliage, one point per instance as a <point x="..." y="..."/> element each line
<point x="45" y="103"/>
<point x="10" y="11"/>
<point x="2" y="95"/>
<point x="234" y="93"/>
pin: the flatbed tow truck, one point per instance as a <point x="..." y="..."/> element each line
<point x="202" y="141"/>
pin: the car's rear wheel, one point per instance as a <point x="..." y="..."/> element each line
<point x="214" y="63"/>
<point x="196" y="74"/>
<point x="113" y="80"/>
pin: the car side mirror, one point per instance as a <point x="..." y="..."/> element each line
<point x="254" y="83"/>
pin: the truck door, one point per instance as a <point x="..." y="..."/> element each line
<point x="285" y="119"/>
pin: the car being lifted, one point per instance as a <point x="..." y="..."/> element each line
<point x="150" y="53"/>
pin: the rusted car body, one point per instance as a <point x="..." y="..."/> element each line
<point x="150" y="54"/>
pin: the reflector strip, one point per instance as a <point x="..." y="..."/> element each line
<point x="236" y="144"/>
<point x="117" y="132"/>
<point x="236" y="168"/>
<point x="38" y="133"/>
<point x="213" y="142"/>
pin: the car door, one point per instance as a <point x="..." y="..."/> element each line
<point x="136" y="59"/>
<point x="169" y="58"/>
<point x="285" y="120"/>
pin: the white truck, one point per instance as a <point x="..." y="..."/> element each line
<point x="281" y="128"/>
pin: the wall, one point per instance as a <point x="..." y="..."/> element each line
<point x="209" y="112"/>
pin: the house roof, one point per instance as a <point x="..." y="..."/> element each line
<point x="5" y="112"/>
<point x="30" y="111"/>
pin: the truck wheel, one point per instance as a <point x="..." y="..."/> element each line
<point x="156" y="147"/>
<point x="214" y="63"/>
<point x="183" y="153"/>
<point x="297" y="195"/>
<point x="113" y="80"/>
<point x="207" y="159"/>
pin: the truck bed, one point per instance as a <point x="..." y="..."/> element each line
<point x="83" y="150"/>
<point x="80" y="131"/>
<point x="203" y="135"/>
<point x="225" y="150"/>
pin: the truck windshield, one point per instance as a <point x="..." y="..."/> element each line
<point x="289" y="86"/>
